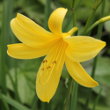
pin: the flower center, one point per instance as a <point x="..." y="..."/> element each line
<point x="52" y="62"/>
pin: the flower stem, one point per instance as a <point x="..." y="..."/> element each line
<point x="91" y="17"/>
<point x="104" y="19"/>
<point x="73" y="12"/>
<point x="47" y="12"/>
<point x="74" y="90"/>
<point x="34" y="103"/>
<point x="3" y="41"/>
<point x="4" y="38"/>
<point x="97" y="99"/>
<point x="99" y="33"/>
<point x="67" y="100"/>
<point x="74" y="97"/>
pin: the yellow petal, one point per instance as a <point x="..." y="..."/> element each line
<point x="72" y="31"/>
<point x="78" y="73"/>
<point x="29" y="32"/>
<point x="56" y="20"/>
<point x="49" y="73"/>
<point x="21" y="51"/>
<point x="83" y="48"/>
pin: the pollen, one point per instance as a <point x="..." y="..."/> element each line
<point x="42" y="69"/>
<point x="54" y="62"/>
<point x="48" y="67"/>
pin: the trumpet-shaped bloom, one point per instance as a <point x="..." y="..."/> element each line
<point x="58" y="47"/>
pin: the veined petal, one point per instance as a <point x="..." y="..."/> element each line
<point x="78" y="73"/>
<point x="49" y="73"/>
<point x="83" y="48"/>
<point x="22" y="51"/>
<point x="29" y="32"/>
<point x="56" y="20"/>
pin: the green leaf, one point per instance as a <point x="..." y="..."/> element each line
<point x="26" y="75"/>
<point x="13" y="103"/>
<point x="103" y="66"/>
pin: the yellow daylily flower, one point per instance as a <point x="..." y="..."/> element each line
<point x="58" y="47"/>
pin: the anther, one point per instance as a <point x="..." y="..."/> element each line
<point x="44" y="61"/>
<point x="48" y="67"/>
<point x="42" y="69"/>
<point x="54" y="62"/>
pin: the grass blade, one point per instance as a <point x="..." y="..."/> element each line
<point x="13" y="103"/>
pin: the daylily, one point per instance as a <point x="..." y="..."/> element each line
<point x="58" y="47"/>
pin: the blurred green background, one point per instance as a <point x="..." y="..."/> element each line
<point x="17" y="77"/>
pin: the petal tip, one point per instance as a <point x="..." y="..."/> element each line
<point x="43" y="99"/>
<point x="61" y="8"/>
<point x="56" y="19"/>
<point x="103" y="44"/>
<point x="95" y="84"/>
<point x="18" y="14"/>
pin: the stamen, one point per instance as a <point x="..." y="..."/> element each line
<point x="44" y="61"/>
<point x="42" y="69"/>
<point x="44" y="64"/>
<point x="54" y="62"/>
<point x="48" y="67"/>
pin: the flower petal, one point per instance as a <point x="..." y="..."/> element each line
<point x="49" y="73"/>
<point x="83" y="48"/>
<point x="22" y="51"/>
<point x="29" y="32"/>
<point x="78" y="73"/>
<point x="56" y="20"/>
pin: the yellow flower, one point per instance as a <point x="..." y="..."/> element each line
<point x="58" y="47"/>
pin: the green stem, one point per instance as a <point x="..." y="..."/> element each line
<point x="94" y="67"/>
<point x="34" y="103"/>
<point x="3" y="47"/>
<point x="4" y="38"/>
<point x="74" y="90"/>
<point x="74" y="97"/>
<point x="91" y="17"/>
<point x="73" y="12"/>
<point x="47" y="12"/>
<point x="96" y="23"/>
<point x="97" y="99"/>
<point x="99" y="33"/>
<point x="67" y="100"/>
